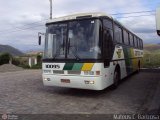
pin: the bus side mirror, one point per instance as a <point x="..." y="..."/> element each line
<point x="158" y="20"/>
<point x="39" y="40"/>
<point x="40" y="37"/>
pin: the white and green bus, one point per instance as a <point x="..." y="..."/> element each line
<point x="89" y="51"/>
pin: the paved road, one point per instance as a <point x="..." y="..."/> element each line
<point x="22" y="92"/>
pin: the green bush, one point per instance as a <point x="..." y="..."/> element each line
<point x="37" y="66"/>
<point x="16" y="61"/>
<point x="151" y="60"/>
<point x="24" y="66"/>
<point x="4" y="58"/>
<point x="39" y="59"/>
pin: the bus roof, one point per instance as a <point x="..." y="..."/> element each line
<point x="79" y="15"/>
<point x="85" y="15"/>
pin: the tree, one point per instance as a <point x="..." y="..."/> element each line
<point x="5" y="58"/>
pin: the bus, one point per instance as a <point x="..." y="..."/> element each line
<point x="158" y="20"/>
<point x="89" y="51"/>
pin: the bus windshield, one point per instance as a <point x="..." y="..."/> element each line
<point x="78" y="39"/>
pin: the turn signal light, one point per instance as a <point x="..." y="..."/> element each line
<point x="98" y="72"/>
<point x="47" y="79"/>
<point x="89" y="82"/>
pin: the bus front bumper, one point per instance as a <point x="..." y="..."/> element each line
<point x="82" y="82"/>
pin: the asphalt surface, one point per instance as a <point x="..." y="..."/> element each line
<point x="22" y="92"/>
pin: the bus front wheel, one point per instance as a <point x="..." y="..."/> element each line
<point x="116" y="78"/>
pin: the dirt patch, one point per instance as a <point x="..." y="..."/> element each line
<point x="9" y="68"/>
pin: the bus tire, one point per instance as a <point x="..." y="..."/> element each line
<point x="116" y="78"/>
<point x="139" y="67"/>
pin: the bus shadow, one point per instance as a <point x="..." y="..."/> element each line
<point x="128" y="78"/>
<point x="84" y="92"/>
<point x="77" y="92"/>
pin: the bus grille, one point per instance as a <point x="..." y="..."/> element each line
<point x="74" y="72"/>
<point x="58" y="71"/>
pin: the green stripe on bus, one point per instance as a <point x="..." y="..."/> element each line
<point x="77" y="66"/>
<point x="68" y="66"/>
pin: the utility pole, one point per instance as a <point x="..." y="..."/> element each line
<point x="50" y="9"/>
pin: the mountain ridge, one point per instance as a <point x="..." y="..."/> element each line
<point x="11" y="50"/>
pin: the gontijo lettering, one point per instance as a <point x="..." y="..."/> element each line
<point x="53" y="66"/>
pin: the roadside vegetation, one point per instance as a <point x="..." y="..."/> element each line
<point x="151" y="57"/>
<point x="6" y="58"/>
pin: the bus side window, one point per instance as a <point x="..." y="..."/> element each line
<point x="107" y="45"/>
<point x="141" y="44"/>
<point x="107" y="39"/>
<point x="138" y="43"/>
<point x="131" y="39"/>
<point x="135" y="43"/>
<point x="118" y="34"/>
<point x="108" y="24"/>
<point x="126" y="37"/>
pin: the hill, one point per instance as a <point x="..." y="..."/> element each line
<point x="152" y="48"/>
<point x="9" y="49"/>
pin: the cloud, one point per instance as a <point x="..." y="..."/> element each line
<point x="145" y="27"/>
<point x="32" y="14"/>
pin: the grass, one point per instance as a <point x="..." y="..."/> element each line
<point x="151" y="58"/>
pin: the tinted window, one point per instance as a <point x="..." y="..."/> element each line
<point x="125" y="36"/>
<point x="118" y="34"/>
<point x="107" y="43"/>
<point x="141" y="44"/>
<point x="107" y="23"/>
<point x="135" y="41"/>
<point x="131" y="39"/>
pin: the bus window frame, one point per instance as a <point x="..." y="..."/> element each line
<point x="126" y="40"/>
<point x="80" y="60"/>
<point x="119" y="26"/>
<point x="106" y="61"/>
<point x="131" y="39"/>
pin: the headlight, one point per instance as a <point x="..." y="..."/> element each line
<point x="47" y="79"/>
<point x="88" y="82"/>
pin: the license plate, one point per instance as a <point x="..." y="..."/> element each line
<point x="65" y="80"/>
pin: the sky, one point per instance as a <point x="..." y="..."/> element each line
<point x="21" y="20"/>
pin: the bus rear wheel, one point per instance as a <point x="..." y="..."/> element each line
<point x="139" y="67"/>
<point x="116" y="78"/>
